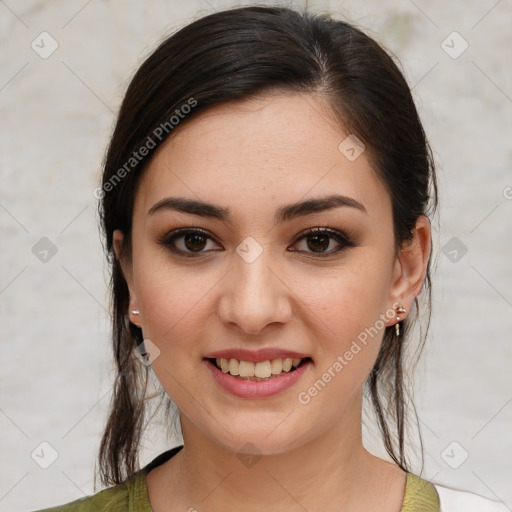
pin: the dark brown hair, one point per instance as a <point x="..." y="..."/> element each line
<point x="235" y="54"/>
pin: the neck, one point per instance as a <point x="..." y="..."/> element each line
<point x="212" y="477"/>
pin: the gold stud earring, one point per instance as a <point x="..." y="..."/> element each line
<point x="399" y="310"/>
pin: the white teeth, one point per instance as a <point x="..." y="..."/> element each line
<point x="233" y="367"/>
<point x="262" y="369"/>
<point x="276" y="366"/>
<point x="246" y="368"/>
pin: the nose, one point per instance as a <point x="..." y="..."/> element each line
<point x="255" y="296"/>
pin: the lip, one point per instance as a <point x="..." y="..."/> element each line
<point x="256" y="389"/>
<point x="256" y="356"/>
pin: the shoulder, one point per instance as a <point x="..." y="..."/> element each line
<point x="130" y="496"/>
<point x="429" y="496"/>
<point x="419" y="495"/>
<point x="113" y="499"/>
<point x="453" y="500"/>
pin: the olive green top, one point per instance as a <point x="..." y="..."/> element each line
<point x="132" y="495"/>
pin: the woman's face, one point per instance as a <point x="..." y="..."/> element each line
<point x="243" y="274"/>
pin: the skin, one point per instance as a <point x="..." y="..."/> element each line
<point x="253" y="157"/>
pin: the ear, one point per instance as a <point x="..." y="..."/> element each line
<point x="126" y="267"/>
<point x="411" y="266"/>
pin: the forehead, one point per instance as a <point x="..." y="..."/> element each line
<point x="250" y="153"/>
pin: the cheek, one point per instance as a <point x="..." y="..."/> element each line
<point x="172" y="298"/>
<point x="347" y="311"/>
<point x="173" y="314"/>
<point x="347" y="300"/>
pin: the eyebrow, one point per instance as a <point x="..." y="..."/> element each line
<point x="283" y="214"/>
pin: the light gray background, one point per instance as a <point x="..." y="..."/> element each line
<point x="56" y="117"/>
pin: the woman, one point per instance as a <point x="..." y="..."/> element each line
<point x="265" y="202"/>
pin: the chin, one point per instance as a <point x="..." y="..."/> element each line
<point x="259" y="441"/>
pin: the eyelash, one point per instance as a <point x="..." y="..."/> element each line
<point x="168" y="240"/>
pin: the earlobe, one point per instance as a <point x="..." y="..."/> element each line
<point x="134" y="314"/>
<point x="411" y="264"/>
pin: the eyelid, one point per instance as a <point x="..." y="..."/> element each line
<point x="169" y="237"/>
<point x="341" y="237"/>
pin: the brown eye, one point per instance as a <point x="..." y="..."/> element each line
<point x="186" y="242"/>
<point x="319" y="243"/>
<point x="194" y="241"/>
<point x="318" y="240"/>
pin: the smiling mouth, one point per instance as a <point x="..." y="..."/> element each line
<point x="260" y="371"/>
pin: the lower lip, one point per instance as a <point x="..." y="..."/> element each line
<point x="256" y="389"/>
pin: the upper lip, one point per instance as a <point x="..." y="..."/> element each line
<point x="255" y="356"/>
